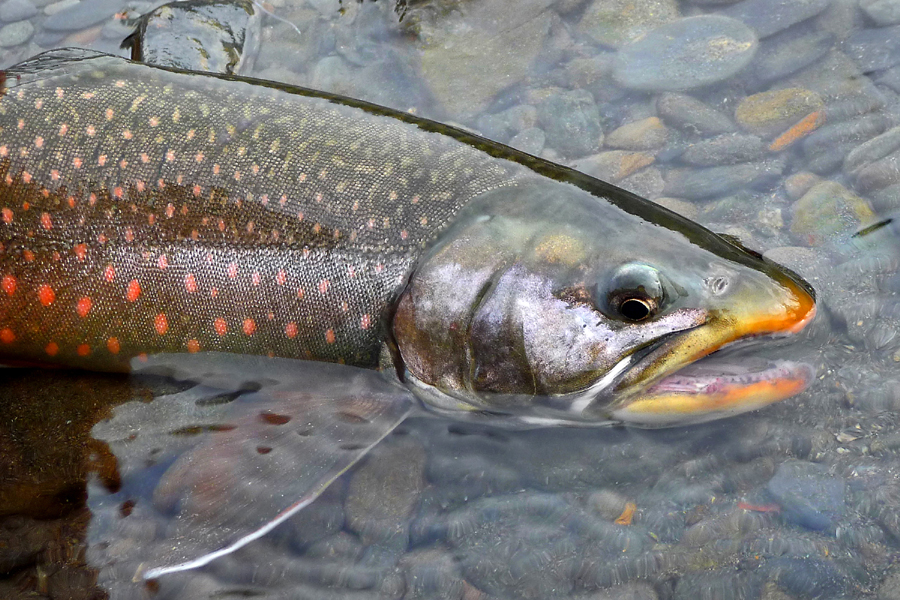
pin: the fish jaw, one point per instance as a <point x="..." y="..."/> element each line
<point x="673" y="388"/>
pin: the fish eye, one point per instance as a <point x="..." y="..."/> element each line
<point x="635" y="292"/>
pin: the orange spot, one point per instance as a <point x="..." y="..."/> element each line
<point x="329" y="336"/>
<point x="28" y="255"/>
<point x="83" y="307"/>
<point x="220" y="326"/>
<point x="112" y="344"/>
<point x="7" y="215"/>
<point x="133" y="291"/>
<point x="190" y="283"/>
<point x="254" y="279"/>
<point x="804" y="126"/>
<point x="118" y="192"/>
<point x="627" y="514"/>
<point x="759" y="507"/>
<point x="83" y="350"/>
<point x="249" y="326"/>
<point x="300" y="293"/>
<point x="163" y="262"/>
<point x="193" y="346"/>
<point x="51" y="349"/>
<point x="109" y="273"/>
<point x="161" y="324"/>
<point x="280" y="277"/>
<point x="80" y="251"/>
<point x="46" y="295"/>
<point x="290" y="330"/>
<point x="7" y="336"/>
<point x="365" y="322"/>
<point x="8" y="284"/>
<point x="142" y="357"/>
<point x="26" y="176"/>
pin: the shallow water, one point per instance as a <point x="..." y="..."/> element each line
<point x="800" y="500"/>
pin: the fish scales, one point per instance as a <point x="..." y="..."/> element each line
<point x="138" y="217"/>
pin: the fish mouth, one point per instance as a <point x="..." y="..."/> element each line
<point x="727" y="382"/>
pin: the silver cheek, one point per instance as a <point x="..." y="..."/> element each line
<point x="587" y="397"/>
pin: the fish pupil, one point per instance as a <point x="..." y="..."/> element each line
<point x="635" y="309"/>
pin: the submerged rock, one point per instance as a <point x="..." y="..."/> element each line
<point x="616" y="22"/>
<point x="686" y="54"/>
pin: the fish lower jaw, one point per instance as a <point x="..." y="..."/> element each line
<point x="710" y="390"/>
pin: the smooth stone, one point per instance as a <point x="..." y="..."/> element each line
<point x="852" y="131"/>
<point x="503" y="125"/>
<point x="699" y="184"/>
<point x="808" y="494"/>
<point x="52" y="9"/>
<point x="17" y="10"/>
<point x="768" y="114"/>
<point x="15" y="34"/>
<point x="886" y="200"/>
<point x="827" y="211"/>
<point x="677" y="205"/>
<point x="82" y="15"/>
<point x="690" y="115"/>
<point x="647" y="183"/>
<point x="786" y="53"/>
<point x="529" y="140"/>
<point x="614" y="165"/>
<point x="686" y="54"/>
<point x="456" y="73"/>
<point x="875" y="149"/>
<point x="879" y="174"/>
<point x="799" y="183"/>
<point x="724" y="150"/>
<point x="571" y="123"/>
<point x="875" y="49"/>
<point x="584" y="72"/>
<point x="883" y="12"/>
<point x="646" y="134"/>
<point x="617" y="22"/>
<point x="766" y="17"/>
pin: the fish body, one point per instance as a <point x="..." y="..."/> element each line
<point x="150" y="216"/>
<point x="148" y="211"/>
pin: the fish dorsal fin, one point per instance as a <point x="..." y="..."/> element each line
<point x="231" y="461"/>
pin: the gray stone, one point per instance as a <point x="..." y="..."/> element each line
<point x="529" y="140"/>
<point x="716" y="181"/>
<point x="646" y="134"/>
<point x="686" y="54"/>
<point x="786" y="53"/>
<point x="883" y="12"/>
<point x="17" y="10"/>
<point x="869" y="152"/>
<point x="571" y="123"/>
<point x="617" y="22"/>
<point x="691" y="115"/>
<point x="614" y="165"/>
<point x="766" y="17"/>
<point x="724" y="150"/>
<point x="503" y="125"/>
<point x="808" y="494"/>
<point x="875" y="49"/>
<point x="82" y="15"/>
<point x="15" y="34"/>
<point x="828" y="211"/>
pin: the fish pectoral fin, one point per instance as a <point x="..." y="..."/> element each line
<point x="251" y="461"/>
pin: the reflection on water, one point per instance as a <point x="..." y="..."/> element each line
<point x="775" y="124"/>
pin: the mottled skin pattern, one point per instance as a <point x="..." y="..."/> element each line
<point x="146" y="211"/>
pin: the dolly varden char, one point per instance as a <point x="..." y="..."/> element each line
<point x="145" y="211"/>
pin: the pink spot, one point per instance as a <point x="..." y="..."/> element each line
<point x="26" y="176"/>
<point x="46" y="295"/>
<point x="63" y="130"/>
<point x="404" y="234"/>
<point x="60" y="93"/>
<point x="283" y="200"/>
<point x="170" y="210"/>
<point x="365" y="322"/>
<point x="71" y="201"/>
<point x="163" y="262"/>
<point x="28" y="255"/>
<point x="109" y="273"/>
<point x="129" y="234"/>
<point x="290" y="330"/>
<point x="170" y="156"/>
<point x="300" y="293"/>
<point x="145" y="158"/>
<point x="123" y="163"/>
<point x="161" y="324"/>
<point x="38" y="142"/>
<point x="101" y="160"/>
<point x="109" y="114"/>
<point x="323" y="286"/>
<point x="237" y="175"/>
<point x="190" y="283"/>
<point x="54" y="174"/>
<point x="154" y="121"/>
<point x="133" y="291"/>
<point x="193" y="346"/>
<point x="120" y="83"/>
<point x="127" y="134"/>
<point x="329" y="336"/>
<point x="8" y="283"/>
<point x="46" y="221"/>
<point x="92" y="199"/>
<point x="216" y="169"/>
<point x="197" y="190"/>
<point x="214" y="293"/>
<point x="118" y="192"/>
<point x="280" y="277"/>
<point x="39" y="103"/>
<point x="4" y="151"/>
<point x="83" y="306"/>
<point x="7" y="215"/>
<point x="249" y="326"/>
<point x="254" y="279"/>
<point x="151" y="219"/>
<point x="232" y="270"/>
<point x="77" y="162"/>
<point x="140" y="185"/>
<point x="80" y="251"/>
<point x="90" y="131"/>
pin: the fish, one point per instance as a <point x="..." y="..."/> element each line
<point x="148" y="213"/>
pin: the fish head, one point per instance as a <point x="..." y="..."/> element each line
<point x="558" y="305"/>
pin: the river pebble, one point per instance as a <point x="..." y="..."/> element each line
<point x="699" y="184"/>
<point x="785" y="53"/>
<point x="809" y="495"/>
<point x="616" y="22"/>
<point x="876" y="148"/>
<point x="766" y="17"/>
<point x="879" y="174"/>
<point x="828" y="210"/>
<point x="883" y="12"/>
<point x="503" y="125"/>
<point x="17" y="10"/>
<point x="691" y="115"/>
<point x="724" y="150"/>
<point x="82" y="15"/>
<point x="529" y="140"/>
<point x="768" y="114"/>
<point x="15" y="34"/>
<point x="646" y="134"/>
<point x="875" y="49"/>
<point x="614" y="165"/>
<point x="571" y="122"/>
<point x="686" y="54"/>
